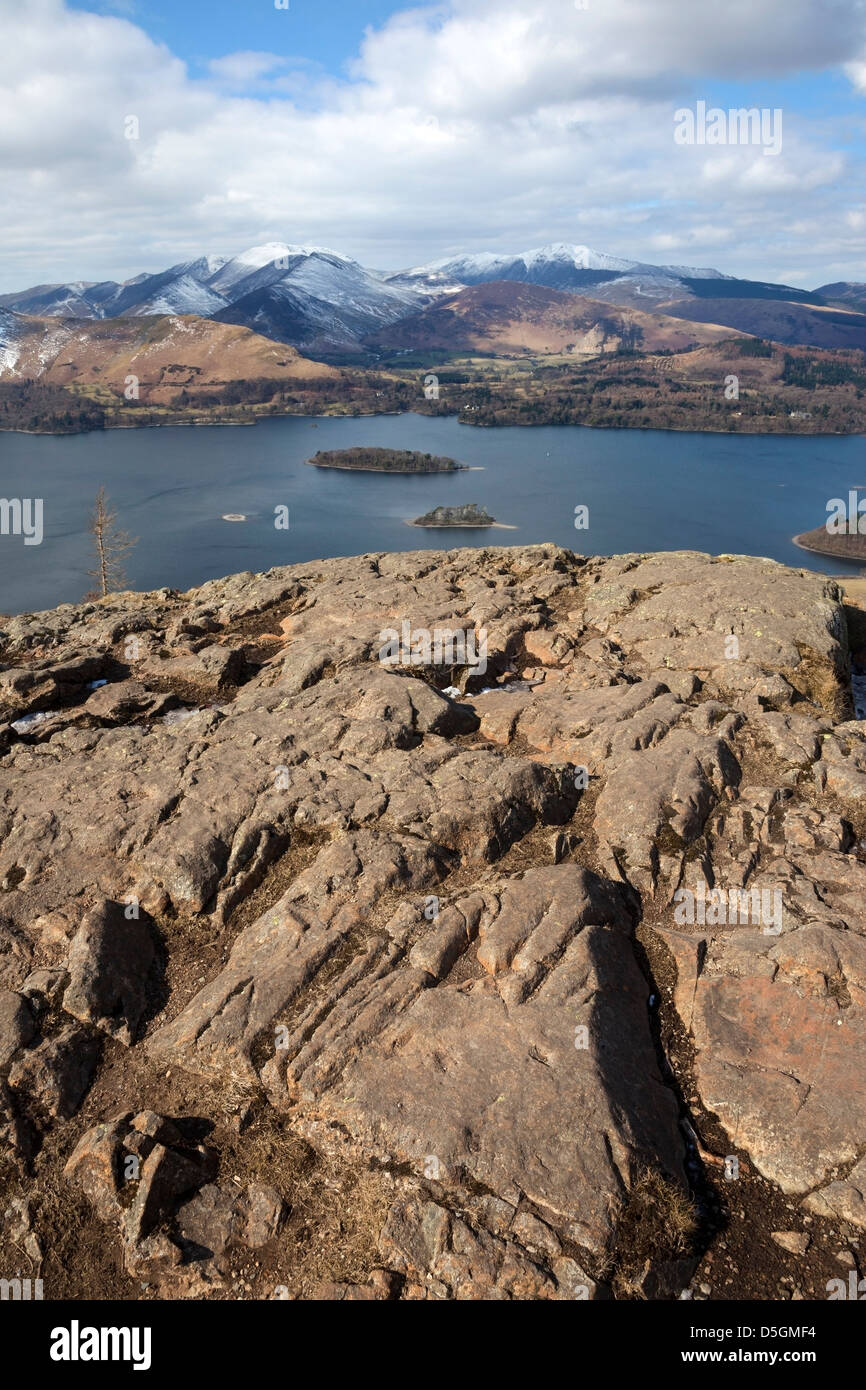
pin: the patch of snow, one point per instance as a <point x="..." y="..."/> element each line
<point x="54" y="340"/>
<point x="8" y="357"/>
<point x="30" y="721"/>
<point x="9" y="329"/>
<point x="179" y="716"/>
<point x="512" y="688"/>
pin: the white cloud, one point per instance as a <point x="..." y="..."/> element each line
<point x="857" y="73"/>
<point x="239" y="69"/>
<point x="469" y="125"/>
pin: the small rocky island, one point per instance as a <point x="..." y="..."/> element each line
<point x="469" y="514"/>
<point x="385" y="461"/>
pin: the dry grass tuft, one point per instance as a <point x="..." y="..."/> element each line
<point x="658" y="1224"/>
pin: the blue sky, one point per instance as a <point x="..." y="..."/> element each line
<point x="325" y="32"/>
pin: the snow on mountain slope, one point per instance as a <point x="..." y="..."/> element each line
<point x="347" y="285"/>
<point x="558" y="266"/>
<point x="230" y="279"/>
<point x="312" y="297"/>
<point x="185" y="295"/>
<point x="487" y="265"/>
<point x="53" y="301"/>
<point x="345" y="311"/>
<point x="9" y="330"/>
<point x="312" y="270"/>
<point x="300" y="294"/>
<point x="316" y="299"/>
<point x="209" y="265"/>
<point x="580" y="257"/>
<point x="180" y="290"/>
<point x="166" y="353"/>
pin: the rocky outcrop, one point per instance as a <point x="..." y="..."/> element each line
<point x="436" y="914"/>
<point x="468" y="514"/>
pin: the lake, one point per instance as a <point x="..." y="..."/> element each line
<point x="645" y="490"/>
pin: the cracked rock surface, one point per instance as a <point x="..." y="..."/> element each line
<point x="323" y="977"/>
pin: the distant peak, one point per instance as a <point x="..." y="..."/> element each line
<point x="258" y="256"/>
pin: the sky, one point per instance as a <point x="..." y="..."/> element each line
<point x="139" y="133"/>
<point x="324" y="33"/>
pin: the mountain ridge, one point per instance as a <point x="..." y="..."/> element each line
<point x="508" y="317"/>
<point x="321" y="301"/>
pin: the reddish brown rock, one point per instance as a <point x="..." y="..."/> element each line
<point x="441" y="980"/>
<point x="779" y="1025"/>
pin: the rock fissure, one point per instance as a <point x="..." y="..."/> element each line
<point x="447" y="940"/>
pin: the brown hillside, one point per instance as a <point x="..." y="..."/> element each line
<point x="166" y="353"/>
<point x="784" y="321"/>
<point x="507" y="317"/>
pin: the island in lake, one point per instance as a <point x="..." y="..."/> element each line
<point x="470" y="514"/>
<point x="385" y="461"/>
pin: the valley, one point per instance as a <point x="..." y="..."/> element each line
<point x="788" y="391"/>
<point x="552" y="341"/>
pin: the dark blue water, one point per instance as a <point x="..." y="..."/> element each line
<point x="646" y="490"/>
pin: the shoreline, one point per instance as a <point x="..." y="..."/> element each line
<point x="399" y="472"/>
<point x="827" y="554"/>
<point x="463" y="526"/>
<point x="449" y="415"/>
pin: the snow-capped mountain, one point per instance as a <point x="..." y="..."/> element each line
<point x="521" y="265"/>
<point x="321" y="301"/>
<point x="560" y="266"/>
<point x="180" y="290"/>
<point x="184" y="295"/>
<point x="314" y="298"/>
<point x="273" y="259"/>
<point x="304" y="295"/>
<point x="308" y="296"/>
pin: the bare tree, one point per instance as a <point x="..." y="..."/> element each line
<point x="110" y="546"/>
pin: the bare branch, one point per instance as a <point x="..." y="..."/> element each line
<point x="110" y="546"/>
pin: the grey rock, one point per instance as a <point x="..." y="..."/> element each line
<point x="109" y="961"/>
<point x="56" y="1074"/>
<point x="17" y="1026"/>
